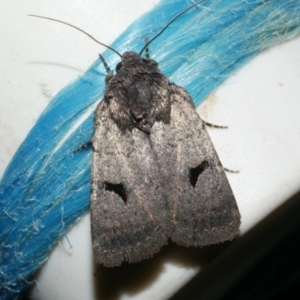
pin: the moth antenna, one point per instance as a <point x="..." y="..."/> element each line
<point x="112" y="49"/>
<point x="166" y="26"/>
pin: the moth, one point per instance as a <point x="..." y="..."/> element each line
<point x="155" y="173"/>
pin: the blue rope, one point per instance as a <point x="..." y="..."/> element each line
<point x="43" y="192"/>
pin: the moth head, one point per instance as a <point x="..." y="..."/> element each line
<point x="131" y="58"/>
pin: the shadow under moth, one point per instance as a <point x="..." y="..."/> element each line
<point x="155" y="172"/>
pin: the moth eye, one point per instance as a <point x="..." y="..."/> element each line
<point x="118" y="66"/>
<point x="197" y="171"/>
<point x="118" y="188"/>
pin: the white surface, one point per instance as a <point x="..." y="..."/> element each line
<point x="260" y="104"/>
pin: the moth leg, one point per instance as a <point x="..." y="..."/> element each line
<point x="220" y="127"/>
<point x="147" y="48"/>
<point x="107" y="68"/>
<point x="231" y="171"/>
<point x="109" y="72"/>
<point x="214" y="126"/>
<point x="83" y="146"/>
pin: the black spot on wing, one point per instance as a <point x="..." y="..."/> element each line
<point x="118" y="188"/>
<point x="197" y="171"/>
